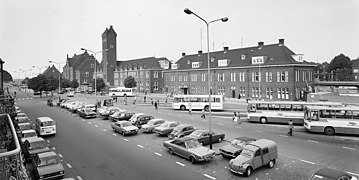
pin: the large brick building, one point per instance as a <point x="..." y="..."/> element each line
<point x="260" y="72"/>
<point x="51" y="71"/>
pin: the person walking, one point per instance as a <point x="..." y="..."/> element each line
<point x="190" y="108"/>
<point x="134" y="103"/>
<point x="125" y="100"/>
<point x="144" y="99"/>
<point x="290" y="124"/>
<point x="151" y="101"/>
<point x="203" y="114"/>
<point x="156" y="105"/>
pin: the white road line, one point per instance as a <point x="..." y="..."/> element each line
<point x="60" y="155"/>
<point x="114" y="134"/>
<point x="353" y="173"/>
<point x="48" y="141"/>
<point x="307" y="162"/>
<point x="259" y="131"/>
<point x="78" y="117"/>
<point x="69" y="165"/>
<point x="283" y="135"/>
<point x="96" y="126"/>
<point x="79" y="178"/>
<point x="104" y="129"/>
<point x="312" y="141"/>
<point x="53" y="148"/>
<point x="276" y="169"/>
<point x="83" y="120"/>
<point x="180" y="164"/>
<point x="348" y="148"/>
<point x="220" y="124"/>
<point x="158" y="154"/>
<point x="238" y="127"/>
<point x="210" y="177"/>
<point x="140" y="146"/>
<point x="89" y="122"/>
<point x="125" y="140"/>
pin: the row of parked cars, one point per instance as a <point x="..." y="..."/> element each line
<point x="35" y="149"/>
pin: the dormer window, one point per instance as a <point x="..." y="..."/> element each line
<point x="195" y="64"/>
<point x="212" y="59"/>
<point x="258" y="59"/>
<point x="243" y="56"/>
<point x="174" y="66"/>
<point x="298" y="57"/>
<point x="223" y="62"/>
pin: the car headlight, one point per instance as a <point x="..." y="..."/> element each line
<point x="62" y="172"/>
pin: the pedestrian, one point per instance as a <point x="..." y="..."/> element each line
<point x="166" y="100"/>
<point x="151" y="102"/>
<point x="134" y="103"/>
<point x="116" y="98"/>
<point x="125" y="100"/>
<point x="15" y="93"/>
<point x="190" y="108"/>
<point x="144" y="99"/>
<point x="239" y="96"/>
<point x="290" y="123"/>
<point x="156" y="105"/>
<point x="203" y="114"/>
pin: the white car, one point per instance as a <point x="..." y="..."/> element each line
<point x="27" y="134"/>
<point x="71" y="94"/>
<point x="134" y="117"/>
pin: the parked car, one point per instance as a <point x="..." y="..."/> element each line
<point x="190" y="149"/>
<point x="331" y="174"/>
<point x="71" y="94"/>
<point x="72" y="105"/>
<point x="23" y="127"/>
<point x="60" y="101"/>
<point x="134" y="117"/>
<point x="124" y="128"/>
<point x="24" y="135"/>
<point x="76" y="106"/>
<point x="254" y="155"/>
<point x="235" y="148"/>
<point x="37" y="92"/>
<point x="181" y="131"/>
<point x="33" y="146"/>
<point x="47" y="165"/>
<point x="86" y="113"/>
<point x="120" y="116"/>
<point x="64" y="102"/>
<point x="22" y="118"/>
<point x="148" y="128"/>
<point x="91" y="106"/>
<point x="165" y="128"/>
<point x="202" y="136"/>
<point x="109" y="111"/>
<point x="17" y="109"/>
<point x="141" y="120"/>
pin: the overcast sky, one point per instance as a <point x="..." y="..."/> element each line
<point x="32" y="32"/>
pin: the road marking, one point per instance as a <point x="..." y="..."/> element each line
<point x="125" y="140"/>
<point x="114" y="134"/>
<point x="83" y="120"/>
<point x="60" y="155"/>
<point x="69" y="165"/>
<point x="104" y="129"/>
<point x="89" y="122"/>
<point x="48" y="141"/>
<point x="238" y="127"/>
<point x="220" y="124"/>
<point x="276" y="169"/>
<point x="79" y="178"/>
<point x="348" y="148"/>
<point x="77" y="117"/>
<point x="180" y="164"/>
<point x="158" y="154"/>
<point x="210" y="177"/>
<point x="140" y="146"/>
<point x="307" y="162"/>
<point x="313" y="141"/>
<point x="283" y="135"/>
<point x="353" y="173"/>
<point x="53" y="148"/>
<point x="96" y="126"/>
<point x="259" y="131"/>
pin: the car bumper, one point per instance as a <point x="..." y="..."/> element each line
<point x="227" y="154"/>
<point x="237" y="170"/>
<point x="131" y="132"/>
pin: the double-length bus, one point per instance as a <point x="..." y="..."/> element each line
<point x="332" y="120"/>
<point x="197" y="102"/>
<point x="280" y="111"/>
<point x="121" y="91"/>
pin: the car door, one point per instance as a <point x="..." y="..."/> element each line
<point x="204" y="138"/>
<point x="257" y="159"/>
<point x="182" y="150"/>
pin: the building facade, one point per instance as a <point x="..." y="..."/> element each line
<point x="272" y="72"/>
<point x="355" y="67"/>
<point x="51" y="71"/>
<point x="109" y="55"/>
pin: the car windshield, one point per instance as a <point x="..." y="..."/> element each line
<point x="165" y="125"/>
<point x="196" y="133"/>
<point x="238" y="143"/>
<point x="88" y="110"/>
<point x="122" y="114"/>
<point x="25" y="126"/>
<point x="47" y="123"/>
<point x="125" y="124"/>
<point x="46" y="161"/>
<point x="29" y="134"/>
<point x="247" y="153"/>
<point x="21" y="115"/>
<point x="192" y="144"/>
<point x="151" y="123"/>
<point x="38" y="145"/>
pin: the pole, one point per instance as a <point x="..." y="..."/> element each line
<point x="209" y="90"/>
<point x="59" y="81"/>
<point x="95" y="77"/>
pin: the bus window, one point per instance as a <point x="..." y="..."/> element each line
<point x="285" y="107"/>
<point x="315" y="116"/>
<point x="297" y="107"/>
<point x="355" y="114"/>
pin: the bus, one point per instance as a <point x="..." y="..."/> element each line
<point x="332" y="120"/>
<point x="197" y="102"/>
<point x="280" y="111"/>
<point x="121" y="91"/>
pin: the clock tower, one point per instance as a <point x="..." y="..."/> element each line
<point x="109" y="55"/>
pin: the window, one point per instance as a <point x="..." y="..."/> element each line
<point x="155" y="85"/>
<point x="87" y="74"/>
<point x="155" y="74"/>
<point x="147" y="74"/>
<point x="268" y="76"/>
<point x="242" y="91"/>
<point x="195" y="64"/>
<point x="180" y="78"/>
<point x="220" y="77"/>
<point x="297" y="76"/>
<point x="304" y="75"/>
<point x="256" y="76"/>
<point x="203" y="77"/>
<point x="269" y="93"/>
<point x="116" y="75"/>
<point x="265" y="150"/>
<point x="185" y="77"/>
<point x="310" y="75"/>
<point x="221" y="90"/>
<point x="222" y="62"/>
<point x="241" y="77"/>
<point x="282" y="76"/>
<point x="355" y="70"/>
<point x="243" y="56"/>
<point x="233" y="76"/>
<point x="193" y="77"/>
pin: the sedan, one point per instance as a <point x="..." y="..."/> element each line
<point x="110" y="111"/>
<point x="235" y="148"/>
<point x="148" y="128"/>
<point x="86" y="113"/>
<point x="331" y="174"/>
<point x="124" y="128"/>
<point x="120" y="116"/>
<point x="47" y="165"/>
<point x="190" y="149"/>
<point x="33" y="146"/>
<point x="181" y="130"/>
<point x="202" y="136"/>
<point x="165" y="128"/>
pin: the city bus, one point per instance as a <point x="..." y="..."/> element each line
<point x="121" y="91"/>
<point x="332" y="120"/>
<point x="280" y="111"/>
<point x="197" y="102"/>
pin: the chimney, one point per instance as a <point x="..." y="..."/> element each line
<point x="281" y="42"/>
<point x="200" y="52"/>
<point x="225" y="48"/>
<point x="183" y="54"/>
<point x="260" y="44"/>
<point x="110" y="26"/>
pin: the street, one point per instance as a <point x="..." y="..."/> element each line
<point x="89" y="149"/>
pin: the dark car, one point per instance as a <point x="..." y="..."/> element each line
<point x="165" y="128"/>
<point x="109" y="111"/>
<point x="86" y="113"/>
<point x="235" y="148"/>
<point x="142" y="119"/>
<point x="33" y="146"/>
<point x="181" y="131"/>
<point x="202" y="135"/>
<point x="331" y="174"/>
<point x="121" y="116"/>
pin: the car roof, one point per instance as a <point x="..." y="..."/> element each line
<point x="245" y="138"/>
<point x="261" y="143"/>
<point x="332" y="173"/>
<point x="28" y="131"/>
<point x="156" y="119"/>
<point x="35" y="139"/>
<point x="90" y="105"/>
<point x="23" y="124"/>
<point x="186" y="138"/>
<point x="45" y="119"/>
<point x="183" y="126"/>
<point x="21" y="113"/>
<point x="47" y="154"/>
<point x="121" y="122"/>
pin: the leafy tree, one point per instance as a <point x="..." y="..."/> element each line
<point x="100" y="83"/>
<point x="65" y="83"/>
<point x="130" y="82"/>
<point x="74" y="84"/>
<point x="38" y="83"/>
<point x="341" y="67"/>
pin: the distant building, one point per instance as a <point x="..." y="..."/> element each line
<point x="272" y="72"/>
<point x="51" y="71"/>
<point x="355" y="67"/>
<point x="109" y="55"/>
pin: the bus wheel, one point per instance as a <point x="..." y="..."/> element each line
<point x="206" y="108"/>
<point x="329" y="131"/>
<point x="125" y="95"/>
<point x="263" y="120"/>
<point x="183" y="107"/>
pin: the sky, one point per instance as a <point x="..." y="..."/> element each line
<point x="34" y="32"/>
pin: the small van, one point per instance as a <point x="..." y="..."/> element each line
<point x="254" y="155"/>
<point x="45" y="126"/>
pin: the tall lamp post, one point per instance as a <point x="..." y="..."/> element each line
<point x="95" y="53"/>
<point x="2" y="77"/>
<point x="59" y="74"/>
<point x="39" y="68"/>
<point x="225" y="19"/>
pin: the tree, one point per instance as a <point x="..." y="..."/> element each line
<point x="130" y="82"/>
<point x="74" y="84"/>
<point x="100" y="83"/>
<point x="65" y="83"/>
<point x="39" y="83"/>
<point x="341" y="67"/>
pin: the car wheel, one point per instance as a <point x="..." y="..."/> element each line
<point x="183" y="107"/>
<point x="248" y="171"/>
<point x="263" y="120"/>
<point x="329" y="131"/>
<point x="170" y="150"/>
<point x="206" y="108"/>
<point x="114" y="130"/>
<point x="193" y="160"/>
<point x="220" y="140"/>
<point x="271" y="164"/>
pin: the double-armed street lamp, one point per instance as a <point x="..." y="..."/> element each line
<point x="225" y="19"/>
<point x="95" y="70"/>
<point x="59" y="63"/>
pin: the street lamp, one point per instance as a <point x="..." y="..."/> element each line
<point x="39" y="68"/>
<point x="93" y="52"/>
<point x="59" y="74"/>
<point x="225" y="19"/>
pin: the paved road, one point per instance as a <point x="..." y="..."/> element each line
<point x="94" y="152"/>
